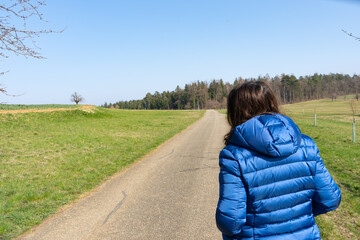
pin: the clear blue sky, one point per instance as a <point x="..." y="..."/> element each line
<point x="116" y="50"/>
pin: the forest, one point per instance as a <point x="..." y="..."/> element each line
<point x="212" y="95"/>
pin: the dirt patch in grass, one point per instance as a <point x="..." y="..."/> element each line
<point x="87" y="108"/>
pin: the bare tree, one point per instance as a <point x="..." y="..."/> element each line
<point x="15" y="35"/>
<point x="353" y="106"/>
<point x="76" y="98"/>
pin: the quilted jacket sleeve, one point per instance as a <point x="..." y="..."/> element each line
<point x="327" y="194"/>
<point x="231" y="208"/>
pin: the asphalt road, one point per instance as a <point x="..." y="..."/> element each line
<point x="170" y="194"/>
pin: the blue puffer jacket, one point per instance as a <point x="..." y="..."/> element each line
<point x="272" y="182"/>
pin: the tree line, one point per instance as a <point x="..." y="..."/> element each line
<point x="212" y="95"/>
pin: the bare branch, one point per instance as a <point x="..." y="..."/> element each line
<point x="353" y="106"/>
<point x="351" y="35"/>
<point x="15" y="37"/>
<point x="4" y="91"/>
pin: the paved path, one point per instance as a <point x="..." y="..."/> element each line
<point x="170" y="194"/>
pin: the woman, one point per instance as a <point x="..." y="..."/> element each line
<point x="272" y="180"/>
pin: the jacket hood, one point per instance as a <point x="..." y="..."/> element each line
<point x="273" y="135"/>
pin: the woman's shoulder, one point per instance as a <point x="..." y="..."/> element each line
<point x="309" y="146"/>
<point x="307" y="141"/>
<point x="235" y="152"/>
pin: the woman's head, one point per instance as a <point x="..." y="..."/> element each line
<point x="248" y="100"/>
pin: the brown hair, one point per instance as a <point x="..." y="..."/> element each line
<point x="248" y="100"/>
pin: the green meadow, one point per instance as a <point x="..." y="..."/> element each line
<point x="333" y="136"/>
<point x="49" y="159"/>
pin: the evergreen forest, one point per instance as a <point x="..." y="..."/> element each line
<point x="212" y="95"/>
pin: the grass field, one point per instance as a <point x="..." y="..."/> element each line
<point x="333" y="135"/>
<point x="49" y="159"/>
<point x="42" y="106"/>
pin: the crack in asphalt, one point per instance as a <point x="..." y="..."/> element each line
<point x="116" y="207"/>
<point x="166" y="155"/>
<point x="199" y="168"/>
<point x="208" y="158"/>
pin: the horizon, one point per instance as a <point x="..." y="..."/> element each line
<point x="182" y="87"/>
